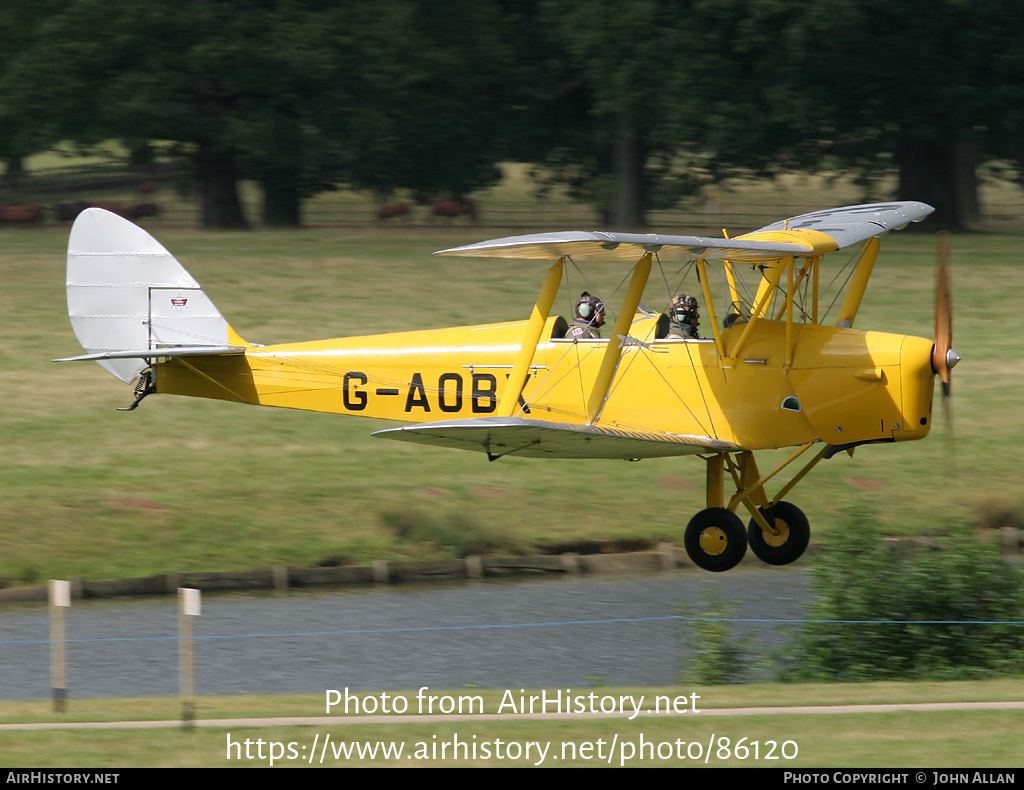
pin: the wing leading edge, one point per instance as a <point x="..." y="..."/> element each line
<point x="500" y="436"/>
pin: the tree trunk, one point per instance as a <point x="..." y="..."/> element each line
<point x="627" y="206"/>
<point x="281" y="204"/>
<point x="15" y="169"/>
<point x="941" y="174"/>
<point x="966" y="155"/>
<point x="218" y="187"/>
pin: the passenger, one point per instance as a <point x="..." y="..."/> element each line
<point x="684" y="316"/>
<point x="589" y="317"/>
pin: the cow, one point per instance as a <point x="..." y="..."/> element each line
<point x="140" y="210"/>
<point x="113" y="206"/>
<point x="393" y="210"/>
<point x="448" y="207"/>
<point x="20" y="213"/>
<point x="69" y="210"/>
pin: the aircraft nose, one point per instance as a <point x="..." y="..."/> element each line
<point x="943" y="361"/>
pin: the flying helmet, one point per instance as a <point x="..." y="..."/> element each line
<point x="682" y="308"/>
<point x="590" y="309"/>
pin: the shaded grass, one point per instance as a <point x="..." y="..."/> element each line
<point x="182" y="485"/>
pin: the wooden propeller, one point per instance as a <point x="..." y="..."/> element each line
<point x="944" y="359"/>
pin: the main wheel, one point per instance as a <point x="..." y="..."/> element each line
<point x="715" y="539"/>
<point x="793" y="534"/>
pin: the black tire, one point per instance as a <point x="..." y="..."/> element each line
<point x="789" y="544"/>
<point x="715" y="539"/>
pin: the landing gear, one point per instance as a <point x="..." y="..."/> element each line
<point x="144" y="385"/>
<point x="778" y="534"/>
<point x="715" y="539"/>
<point x="790" y="538"/>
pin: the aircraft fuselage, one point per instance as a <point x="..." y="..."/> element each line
<point x="840" y="386"/>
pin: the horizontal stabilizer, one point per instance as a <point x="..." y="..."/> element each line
<point x="153" y="353"/>
<point x="500" y="436"/>
<point x="815" y="233"/>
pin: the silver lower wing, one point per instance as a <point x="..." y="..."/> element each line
<point x="517" y="436"/>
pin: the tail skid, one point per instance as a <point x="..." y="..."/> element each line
<point x="129" y="297"/>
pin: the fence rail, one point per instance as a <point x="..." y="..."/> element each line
<point x="169" y="186"/>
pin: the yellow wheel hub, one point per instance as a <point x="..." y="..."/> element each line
<point x="713" y="541"/>
<point x="780" y="538"/>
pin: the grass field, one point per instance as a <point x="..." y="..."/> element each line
<point x="184" y="485"/>
<point x="892" y="739"/>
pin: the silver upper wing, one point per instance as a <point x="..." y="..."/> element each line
<point x="853" y="224"/>
<point x="844" y="226"/>
<point x="598" y="245"/>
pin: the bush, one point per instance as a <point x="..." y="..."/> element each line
<point x="945" y="612"/>
<point x="719" y="656"/>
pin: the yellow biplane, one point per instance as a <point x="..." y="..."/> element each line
<point x="776" y="372"/>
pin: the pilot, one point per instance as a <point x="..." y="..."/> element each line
<point x="589" y="317"/>
<point x="683" y="316"/>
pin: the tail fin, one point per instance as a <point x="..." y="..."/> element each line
<point x="128" y="296"/>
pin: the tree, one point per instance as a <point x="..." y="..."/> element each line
<point x="428" y="99"/>
<point x="300" y="95"/>
<point x="22" y="106"/>
<point x="736" y="94"/>
<point x="287" y="123"/>
<point x="236" y="86"/>
<point x="923" y="86"/>
<point x="926" y="89"/>
<point x="673" y="95"/>
<point x="619" y="61"/>
<point x="147" y="71"/>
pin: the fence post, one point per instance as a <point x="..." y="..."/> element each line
<point x="188" y="608"/>
<point x="60" y="599"/>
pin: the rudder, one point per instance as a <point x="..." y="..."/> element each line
<point x="127" y="293"/>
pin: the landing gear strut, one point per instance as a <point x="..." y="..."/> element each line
<point x="778" y="533"/>
<point x="144" y="385"/>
